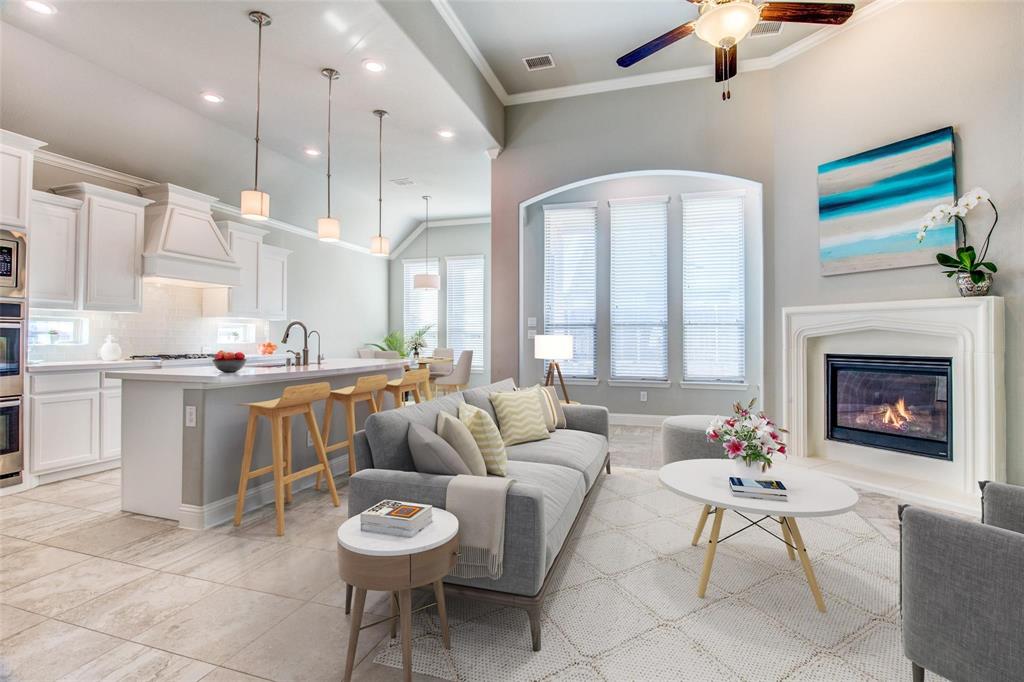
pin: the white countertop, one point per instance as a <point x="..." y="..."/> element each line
<point x="210" y="376"/>
<point x="73" y="365"/>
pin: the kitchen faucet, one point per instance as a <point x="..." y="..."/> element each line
<point x="305" y="340"/>
<point x="319" y="355"/>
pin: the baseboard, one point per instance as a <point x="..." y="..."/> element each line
<point x="196" y="517"/>
<point x="620" y="419"/>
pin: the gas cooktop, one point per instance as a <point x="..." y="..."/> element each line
<point x="172" y="356"/>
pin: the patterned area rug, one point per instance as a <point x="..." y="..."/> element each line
<point x="624" y="606"/>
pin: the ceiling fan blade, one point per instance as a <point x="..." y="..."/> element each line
<point x="725" y="63"/>
<point x="649" y="48"/>
<point x="807" y="12"/>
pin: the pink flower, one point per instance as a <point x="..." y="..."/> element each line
<point x="782" y="448"/>
<point x="730" y="422"/>
<point x="712" y="436"/>
<point x="733" y="448"/>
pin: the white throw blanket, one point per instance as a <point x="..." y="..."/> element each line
<point x="478" y="502"/>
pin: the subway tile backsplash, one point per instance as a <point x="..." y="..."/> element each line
<point x="171" y="321"/>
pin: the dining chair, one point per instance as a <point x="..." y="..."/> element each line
<point x="441" y="369"/>
<point x="366" y="353"/>
<point x="386" y="354"/>
<point x="458" y="379"/>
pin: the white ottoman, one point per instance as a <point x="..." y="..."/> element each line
<point x="685" y="437"/>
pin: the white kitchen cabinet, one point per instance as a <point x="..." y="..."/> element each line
<point x="274" y="283"/>
<point x="65" y="430"/>
<point x="243" y="300"/>
<point x="52" y="257"/>
<point x="16" y="156"/>
<point x="110" y="424"/>
<point x="111" y="230"/>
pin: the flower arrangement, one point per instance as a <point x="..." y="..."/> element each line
<point x="754" y="438"/>
<point x="967" y="265"/>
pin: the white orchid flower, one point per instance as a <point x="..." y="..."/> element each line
<point x="967" y="202"/>
<point x="921" y="235"/>
<point x="979" y="194"/>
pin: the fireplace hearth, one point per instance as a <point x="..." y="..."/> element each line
<point x="895" y="403"/>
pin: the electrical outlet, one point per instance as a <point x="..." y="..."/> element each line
<point x="643" y="396"/>
<point x="309" y="439"/>
<point x="531" y="333"/>
<point x="531" y="322"/>
<point x="190" y="416"/>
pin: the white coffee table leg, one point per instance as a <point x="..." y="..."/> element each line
<point x="801" y="549"/>
<point x="700" y="524"/>
<point x="709" y="557"/>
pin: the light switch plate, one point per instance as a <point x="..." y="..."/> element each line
<point x="531" y="322"/>
<point x="190" y="416"/>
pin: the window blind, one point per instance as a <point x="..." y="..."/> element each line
<point x="419" y="306"/>
<point x="639" y="290"/>
<point x="570" y="282"/>
<point x="714" y="305"/>
<point x="465" y="306"/>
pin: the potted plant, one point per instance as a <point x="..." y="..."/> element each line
<point x="418" y="340"/>
<point x="393" y="341"/>
<point x="750" y="440"/>
<point x="972" y="271"/>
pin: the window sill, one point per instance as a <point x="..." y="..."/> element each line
<point x="579" y="381"/>
<point x="640" y="383"/>
<point x="715" y="386"/>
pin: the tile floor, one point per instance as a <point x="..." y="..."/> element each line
<point x="90" y="592"/>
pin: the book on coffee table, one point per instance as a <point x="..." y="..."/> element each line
<point x="395" y="517"/>
<point x="765" y="489"/>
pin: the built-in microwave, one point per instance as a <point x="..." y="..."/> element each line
<point x="13" y="265"/>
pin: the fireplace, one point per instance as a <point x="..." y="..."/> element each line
<point x="894" y="403"/>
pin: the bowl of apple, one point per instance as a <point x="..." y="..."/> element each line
<point x="229" y="362"/>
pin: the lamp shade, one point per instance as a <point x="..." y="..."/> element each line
<point x="425" y="280"/>
<point x="552" y="347"/>
<point x="255" y="205"/>
<point x="727" y="24"/>
<point x="380" y="246"/>
<point x="328" y="229"/>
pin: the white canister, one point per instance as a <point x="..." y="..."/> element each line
<point x="110" y="351"/>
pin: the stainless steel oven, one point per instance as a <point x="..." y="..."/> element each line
<point x="12" y="367"/>
<point x="13" y="265"/>
<point x="11" y="458"/>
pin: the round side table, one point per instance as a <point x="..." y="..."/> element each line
<point x="388" y="563"/>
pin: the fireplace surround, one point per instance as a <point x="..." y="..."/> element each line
<point x="898" y="403"/>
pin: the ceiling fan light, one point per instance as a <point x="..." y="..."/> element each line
<point x="328" y="229"/>
<point x="727" y="24"/>
<point x="380" y="246"/>
<point x="426" y="280"/>
<point x="255" y="205"/>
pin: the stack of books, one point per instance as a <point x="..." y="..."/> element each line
<point x="758" y="489"/>
<point x="394" y="517"/>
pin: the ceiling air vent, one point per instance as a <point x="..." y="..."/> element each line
<point x="539" y="63"/>
<point x="402" y="182"/>
<point x="766" y="28"/>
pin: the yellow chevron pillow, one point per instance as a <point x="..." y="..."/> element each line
<point x="487" y="438"/>
<point x="520" y="416"/>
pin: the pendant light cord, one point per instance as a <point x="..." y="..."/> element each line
<point x="259" y="79"/>
<point x="426" y="250"/>
<point x="380" y="177"/>
<point x="330" y="87"/>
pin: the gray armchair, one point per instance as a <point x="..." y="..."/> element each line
<point x="962" y="589"/>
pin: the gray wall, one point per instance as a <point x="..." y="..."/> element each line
<point x="661" y="399"/>
<point x="876" y="82"/>
<point x="452" y="240"/>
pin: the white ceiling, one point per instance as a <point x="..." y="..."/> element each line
<point x="585" y="37"/>
<point x="180" y="49"/>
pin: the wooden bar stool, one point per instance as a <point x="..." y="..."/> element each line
<point x="410" y="382"/>
<point x="294" y="400"/>
<point x="364" y="391"/>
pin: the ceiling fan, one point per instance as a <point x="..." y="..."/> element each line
<point x="723" y="23"/>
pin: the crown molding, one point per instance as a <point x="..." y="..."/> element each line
<point x="136" y="183"/>
<point x="646" y="79"/>
<point x="454" y="222"/>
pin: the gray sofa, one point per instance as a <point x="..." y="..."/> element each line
<point x="962" y="589"/>
<point x="552" y="479"/>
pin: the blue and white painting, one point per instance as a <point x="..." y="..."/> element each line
<point x="870" y="205"/>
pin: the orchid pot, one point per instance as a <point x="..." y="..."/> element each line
<point x="968" y="287"/>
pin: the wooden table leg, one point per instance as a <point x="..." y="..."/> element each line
<point x="348" y="599"/>
<point x="353" y="633"/>
<point x="700" y="524"/>
<point x="393" y="625"/>
<point x="806" y="561"/>
<point x="405" y="607"/>
<point x="709" y="558"/>
<point x="788" y="537"/>
<point x="442" y="612"/>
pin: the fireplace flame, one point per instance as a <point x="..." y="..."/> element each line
<point x="896" y="415"/>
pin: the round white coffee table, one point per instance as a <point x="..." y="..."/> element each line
<point x="810" y="494"/>
<point x="388" y="563"/>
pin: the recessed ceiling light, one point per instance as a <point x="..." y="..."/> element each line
<point x="311" y="151"/>
<point x="40" y="7"/>
<point x="446" y="133"/>
<point x="212" y="97"/>
<point x="373" y="65"/>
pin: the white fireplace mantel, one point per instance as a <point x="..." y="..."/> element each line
<point x="969" y="330"/>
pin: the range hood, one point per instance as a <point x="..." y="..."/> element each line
<point x="183" y="245"/>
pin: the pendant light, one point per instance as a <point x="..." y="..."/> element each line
<point x="426" y="280"/>
<point x="328" y="229"/>
<point x="380" y="245"/>
<point x="255" y="205"/>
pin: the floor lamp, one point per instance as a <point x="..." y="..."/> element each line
<point x="552" y="347"/>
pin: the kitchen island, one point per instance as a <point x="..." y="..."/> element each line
<point x="183" y="430"/>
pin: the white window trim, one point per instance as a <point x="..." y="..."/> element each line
<point x="573" y="204"/>
<point x="654" y="198"/>
<point x="640" y="383"/>
<point x="715" y="385"/>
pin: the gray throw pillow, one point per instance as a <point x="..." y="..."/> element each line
<point x="457" y="434"/>
<point x="432" y="455"/>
